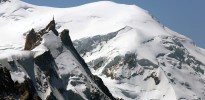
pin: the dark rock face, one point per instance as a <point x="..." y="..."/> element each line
<point x="74" y="96"/>
<point x="101" y="85"/>
<point x="9" y="90"/>
<point x="6" y="83"/>
<point x="44" y="60"/>
<point x="32" y="40"/>
<point x="52" y="26"/>
<point x="65" y="38"/>
<point x="27" y="91"/>
<point x="46" y="64"/>
<point x="153" y="75"/>
<point x="51" y="97"/>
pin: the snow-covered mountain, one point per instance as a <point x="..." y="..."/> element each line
<point x="137" y="57"/>
<point x="49" y="68"/>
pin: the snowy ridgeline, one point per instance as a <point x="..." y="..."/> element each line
<point x="51" y="70"/>
<point x="137" y="57"/>
<point x="133" y="67"/>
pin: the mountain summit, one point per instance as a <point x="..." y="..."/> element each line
<point x="136" y="57"/>
<point x="50" y="69"/>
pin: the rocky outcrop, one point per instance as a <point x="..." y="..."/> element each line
<point x="48" y="66"/>
<point x="154" y="76"/>
<point x="9" y="89"/>
<point x="32" y="40"/>
<point x="6" y="83"/>
<point x="101" y="85"/>
<point x="45" y="63"/>
<point x="65" y="38"/>
<point x="52" y="27"/>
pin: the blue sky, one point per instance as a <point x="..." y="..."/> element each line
<point x="186" y="17"/>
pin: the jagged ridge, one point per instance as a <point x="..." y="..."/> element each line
<point x="44" y="76"/>
<point x="128" y="63"/>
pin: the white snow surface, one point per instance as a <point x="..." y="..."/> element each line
<point x="17" y="18"/>
<point x="137" y="28"/>
<point x="18" y="76"/>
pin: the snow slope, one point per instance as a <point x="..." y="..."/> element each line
<point x="21" y="17"/>
<point x="139" y="67"/>
<point x="135" y="55"/>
